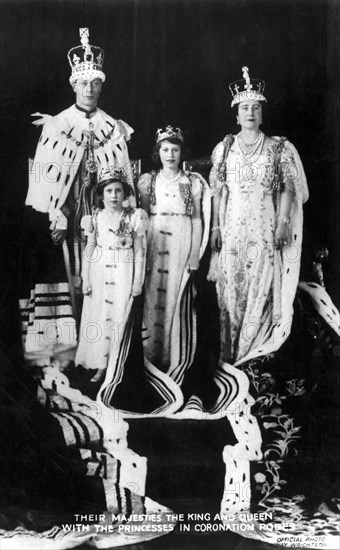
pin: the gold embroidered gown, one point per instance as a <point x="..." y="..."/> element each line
<point x="255" y="283"/>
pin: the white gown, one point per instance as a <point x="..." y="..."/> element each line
<point x="168" y="251"/>
<point x="255" y="283"/>
<point x="106" y="310"/>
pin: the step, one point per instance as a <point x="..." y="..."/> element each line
<point x="184" y="456"/>
<point x="185" y="459"/>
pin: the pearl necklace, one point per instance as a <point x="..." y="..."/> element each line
<point x="253" y="145"/>
<point x="173" y="179"/>
<point x="249" y="144"/>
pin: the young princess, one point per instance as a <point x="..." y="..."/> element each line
<point x="173" y="200"/>
<point x="113" y="274"/>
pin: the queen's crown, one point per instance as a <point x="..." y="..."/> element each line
<point x="247" y="89"/>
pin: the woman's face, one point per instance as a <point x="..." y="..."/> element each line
<point x="250" y="114"/>
<point x="113" y="195"/>
<point x="169" y="154"/>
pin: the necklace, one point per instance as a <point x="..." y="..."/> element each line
<point x="252" y="147"/>
<point x="173" y="179"/>
<point x="240" y="138"/>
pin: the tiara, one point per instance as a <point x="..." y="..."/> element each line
<point x="247" y="89"/>
<point x="169" y="132"/>
<point x="86" y="61"/>
<point x="112" y="173"/>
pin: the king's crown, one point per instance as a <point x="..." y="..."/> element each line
<point x="86" y="61"/>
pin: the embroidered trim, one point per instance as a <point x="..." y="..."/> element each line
<point x="85" y="139"/>
<point x="185" y="190"/>
<point x="278" y="183"/>
<point x="125" y="230"/>
<point x="166" y="214"/>
<point x="222" y="166"/>
<point x="151" y="190"/>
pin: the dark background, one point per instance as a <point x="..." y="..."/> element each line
<point x="165" y="62"/>
<point x="171" y="62"/>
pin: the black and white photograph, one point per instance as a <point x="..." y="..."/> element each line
<point x="170" y="274"/>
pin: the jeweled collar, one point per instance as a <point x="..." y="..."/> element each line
<point x="87" y="113"/>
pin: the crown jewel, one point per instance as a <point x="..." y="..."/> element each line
<point x="112" y="173"/>
<point x="169" y="132"/>
<point x="86" y="61"/>
<point x="247" y="89"/>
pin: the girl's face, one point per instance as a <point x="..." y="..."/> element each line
<point x="169" y="154"/>
<point x="250" y="114"/>
<point x="113" y="196"/>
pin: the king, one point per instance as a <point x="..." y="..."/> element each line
<point x="73" y="146"/>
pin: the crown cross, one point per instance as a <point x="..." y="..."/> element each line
<point x="84" y="36"/>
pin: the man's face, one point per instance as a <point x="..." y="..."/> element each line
<point x="87" y="93"/>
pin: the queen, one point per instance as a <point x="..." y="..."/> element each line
<point x="258" y="186"/>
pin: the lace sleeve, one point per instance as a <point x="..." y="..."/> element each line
<point x="144" y="184"/>
<point x="289" y="168"/>
<point x="197" y="185"/>
<point x="216" y="158"/>
<point x="140" y="222"/>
